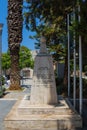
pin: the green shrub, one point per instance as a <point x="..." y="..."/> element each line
<point x="1" y="93"/>
<point x="84" y="87"/>
<point x="3" y="89"/>
<point x="61" y="89"/>
<point x="3" y="80"/>
<point x="85" y="68"/>
<point x="59" y="84"/>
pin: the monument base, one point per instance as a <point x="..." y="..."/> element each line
<point x="25" y="116"/>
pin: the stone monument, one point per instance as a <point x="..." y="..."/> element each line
<point x="43" y="111"/>
<point x="43" y="90"/>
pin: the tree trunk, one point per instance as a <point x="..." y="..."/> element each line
<point x="15" y="73"/>
<point x="15" y="24"/>
<point x="65" y="80"/>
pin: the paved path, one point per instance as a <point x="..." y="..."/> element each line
<point x="17" y="94"/>
<point x="8" y="101"/>
<point x="5" y="107"/>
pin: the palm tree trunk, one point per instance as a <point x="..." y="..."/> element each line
<point x="15" y="72"/>
<point x="15" y="25"/>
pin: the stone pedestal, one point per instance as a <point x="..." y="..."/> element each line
<point x="25" y="116"/>
<point x="43" y="90"/>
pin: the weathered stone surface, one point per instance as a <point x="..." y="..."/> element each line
<point x="26" y="108"/>
<point x="43" y="49"/>
<point x="43" y="90"/>
<point x="66" y="120"/>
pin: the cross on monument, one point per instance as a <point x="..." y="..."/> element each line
<point x="43" y="48"/>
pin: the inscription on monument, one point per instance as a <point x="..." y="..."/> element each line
<point x="43" y="68"/>
<point x="43" y="73"/>
<point x="44" y="77"/>
<point x="47" y="86"/>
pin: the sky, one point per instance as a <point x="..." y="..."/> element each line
<point x="3" y="19"/>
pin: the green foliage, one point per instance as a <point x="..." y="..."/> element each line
<point x="6" y="61"/>
<point x="83" y="25"/>
<point x="59" y="85"/>
<point x="3" y="80"/>
<point x="2" y="90"/>
<point x="48" y="18"/>
<point x="25" y="58"/>
<point x="84" y="85"/>
<point x="1" y="93"/>
<point x="46" y="10"/>
<point x="85" y="68"/>
<point x="24" y="61"/>
<point x="61" y="89"/>
<point x="84" y="88"/>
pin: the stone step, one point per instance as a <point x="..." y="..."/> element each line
<point x="53" y="122"/>
<point x="62" y="108"/>
<point x="41" y="111"/>
<point x="15" y="121"/>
